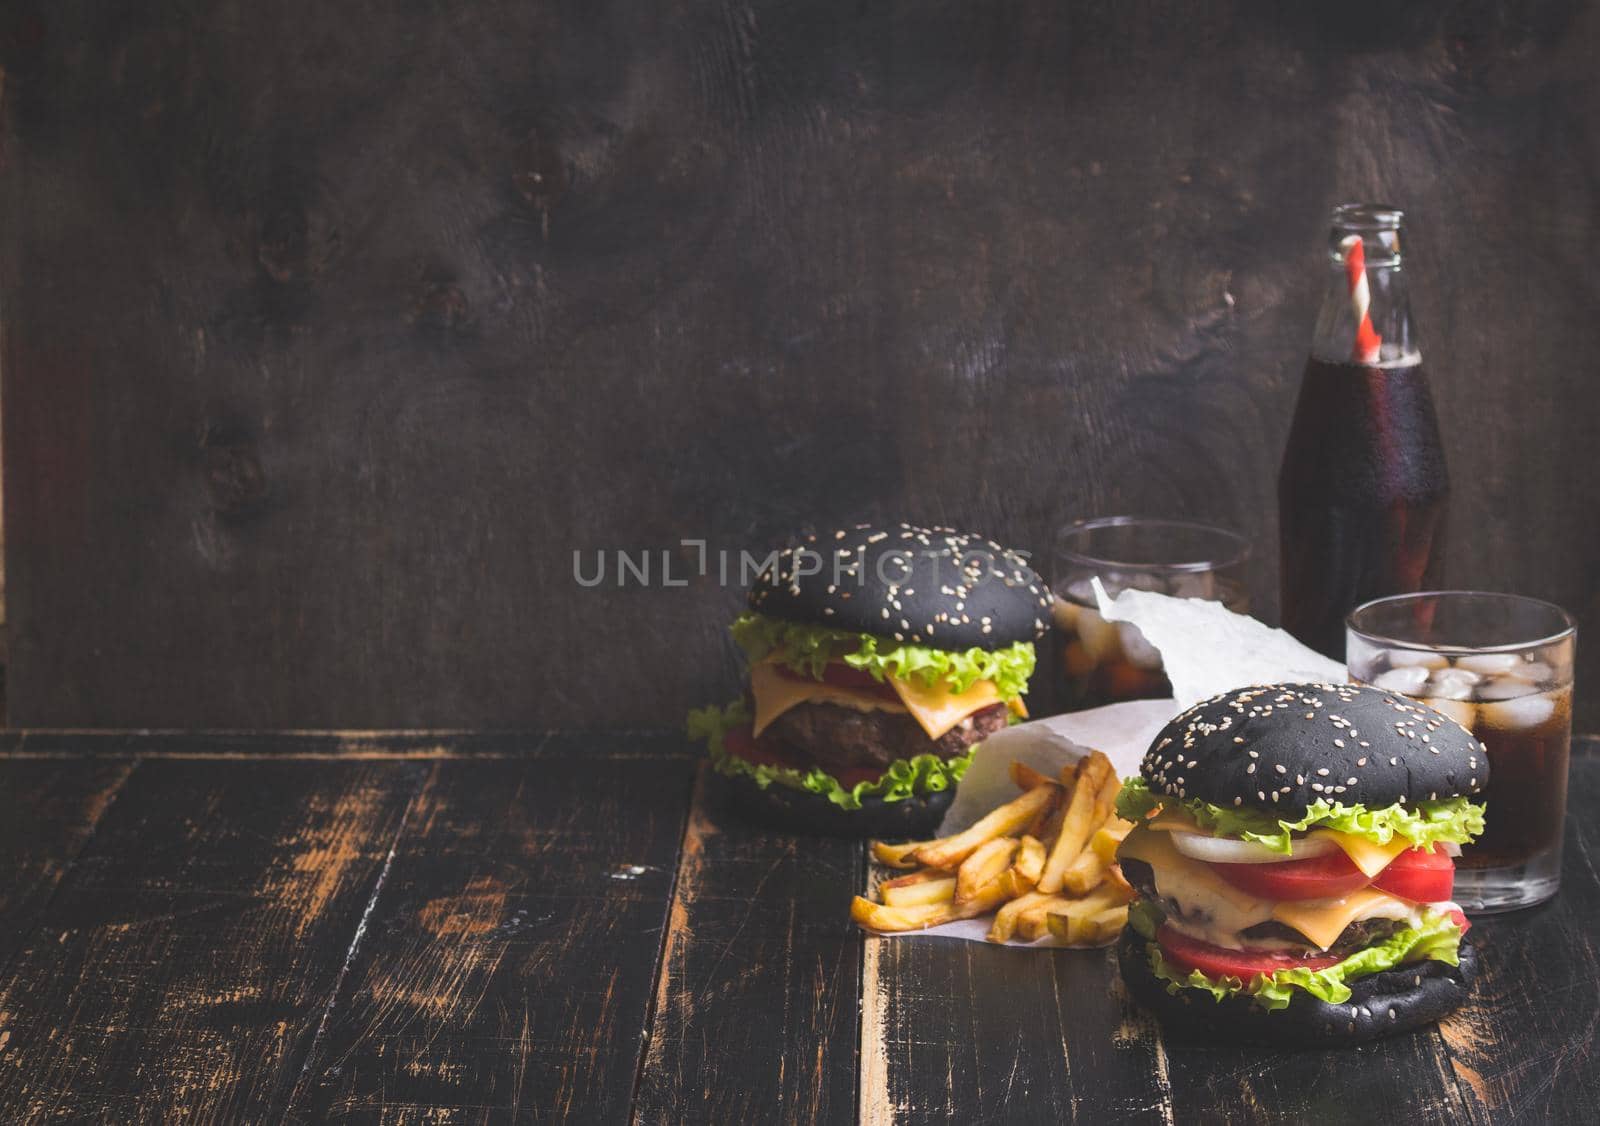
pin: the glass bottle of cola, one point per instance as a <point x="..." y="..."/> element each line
<point x="1363" y="489"/>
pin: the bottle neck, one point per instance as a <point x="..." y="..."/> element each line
<point x="1365" y="274"/>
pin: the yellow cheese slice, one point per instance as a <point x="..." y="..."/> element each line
<point x="776" y="693"/>
<point x="1324" y="920"/>
<point x="938" y="709"/>
<point x="1370" y="858"/>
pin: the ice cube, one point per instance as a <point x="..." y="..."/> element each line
<point x="1414" y="659"/>
<point x="1406" y="681"/>
<point x="1521" y="713"/>
<point x="1489" y="664"/>
<point x="1451" y="684"/>
<point x="1462" y="711"/>
<point x="1536" y="672"/>
<point x="1099" y="636"/>
<point x="1506" y="688"/>
<point x="1140" y="653"/>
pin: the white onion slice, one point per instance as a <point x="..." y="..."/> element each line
<point x="1449" y="848"/>
<point x="1226" y="850"/>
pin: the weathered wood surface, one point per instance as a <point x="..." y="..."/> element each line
<point x="508" y="967"/>
<point x="275" y="932"/>
<point x="331" y="331"/>
<point x="756" y="1016"/>
<point x="185" y="963"/>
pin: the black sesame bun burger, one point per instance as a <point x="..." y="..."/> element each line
<point x="1292" y="853"/>
<point x="879" y="659"/>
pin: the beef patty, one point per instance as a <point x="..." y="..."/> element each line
<point x="836" y="737"/>
<point x="1357" y="936"/>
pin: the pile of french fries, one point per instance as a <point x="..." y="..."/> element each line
<point x="1044" y="863"/>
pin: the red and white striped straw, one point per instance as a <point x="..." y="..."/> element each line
<point x="1368" y="342"/>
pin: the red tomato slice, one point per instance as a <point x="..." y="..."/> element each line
<point x="1329" y="876"/>
<point x="843" y="676"/>
<point x="1422" y="876"/>
<point x="1221" y="961"/>
<point x="1460" y="920"/>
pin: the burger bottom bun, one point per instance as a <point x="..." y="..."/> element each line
<point x="1382" y="1004"/>
<point x="805" y="813"/>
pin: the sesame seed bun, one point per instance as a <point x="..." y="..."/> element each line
<point x="1282" y="747"/>
<point x="904" y="583"/>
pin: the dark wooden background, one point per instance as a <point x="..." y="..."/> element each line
<point x="331" y="331"/>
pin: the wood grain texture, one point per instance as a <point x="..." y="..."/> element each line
<point x="508" y="968"/>
<point x="184" y="966"/>
<point x="48" y="812"/>
<point x="1541" y="971"/>
<point x="331" y="332"/>
<point x="755" y="1016"/>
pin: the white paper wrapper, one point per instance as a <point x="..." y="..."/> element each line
<point x="1205" y="648"/>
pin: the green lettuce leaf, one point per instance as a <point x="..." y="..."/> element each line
<point x="1423" y="823"/>
<point x="808" y="649"/>
<point x="1437" y="939"/>
<point x="924" y="774"/>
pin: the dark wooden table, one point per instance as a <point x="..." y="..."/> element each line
<point x="470" y="928"/>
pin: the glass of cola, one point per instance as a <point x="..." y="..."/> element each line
<point x="1501" y="666"/>
<point x="1108" y="662"/>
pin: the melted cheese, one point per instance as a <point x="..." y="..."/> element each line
<point x="1324" y="920"/>
<point x="1216" y="911"/>
<point x="937" y="709"/>
<point x="776" y="693"/>
<point x="1370" y="858"/>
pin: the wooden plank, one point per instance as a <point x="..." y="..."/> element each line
<point x="184" y="965"/>
<point x="755" y="1013"/>
<point x="1409" y="1076"/>
<point x="1525" y="1044"/>
<point x="48" y="810"/>
<point x="30" y="744"/>
<point x="965" y="1032"/>
<point x="513" y="954"/>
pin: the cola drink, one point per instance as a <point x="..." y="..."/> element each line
<point x="1520" y="706"/>
<point x="1501" y="666"/>
<point x="1363" y="489"/>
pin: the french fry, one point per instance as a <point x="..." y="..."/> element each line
<point x="984" y="900"/>
<point x="919" y="877"/>
<point x="1006" y="919"/>
<point x="897" y="855"/>
<point x="1029" y="862"/>
<point x="1084" y="814"/>
<point x="1027" y="778"/>
<point x="1084" y="874"/>
<point x="1108" y="837"/>
<point x="1046" y="826"/>
<point x="922" y="893"/>
<point x="1116" y="879"/>
<point x="1034" y="920"/>
<point x="1088" y="930"/>
<point x="880" y="917"/>
<point x="1002" y="822"/>
<point x="985" y="865"/>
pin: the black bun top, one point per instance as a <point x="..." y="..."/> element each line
<point x="928" y="586"/>
<point x="1281" y="747"/>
